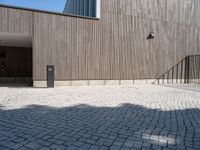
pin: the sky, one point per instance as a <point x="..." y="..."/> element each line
<point x="50" y="5"/>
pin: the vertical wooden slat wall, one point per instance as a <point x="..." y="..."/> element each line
<point x="16" y="21"/>
<point x="114" y="47"/>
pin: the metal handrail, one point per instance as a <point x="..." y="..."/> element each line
<point x="186" y="70"/>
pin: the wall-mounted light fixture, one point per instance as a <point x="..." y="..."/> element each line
<point x="151" y="35"/>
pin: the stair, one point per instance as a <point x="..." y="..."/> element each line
<point x="185" y="71"/>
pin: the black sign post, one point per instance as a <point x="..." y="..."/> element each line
<point x="50" y="76"/>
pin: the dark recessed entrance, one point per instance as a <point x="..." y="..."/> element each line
<point x="15" y="59"/>
<point x="15" y="66"/>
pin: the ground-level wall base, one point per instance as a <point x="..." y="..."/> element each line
<point x="93" y="82"/>
<point x="39" y="84"/>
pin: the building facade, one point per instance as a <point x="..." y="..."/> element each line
<point x="111" y="49"/>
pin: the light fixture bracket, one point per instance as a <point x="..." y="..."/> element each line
<point x="151" y="35"/>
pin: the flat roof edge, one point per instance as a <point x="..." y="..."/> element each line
<point x="48" y="12"/>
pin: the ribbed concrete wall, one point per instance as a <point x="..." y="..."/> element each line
<point x="115" y="46"/>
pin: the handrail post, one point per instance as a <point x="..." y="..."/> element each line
<point x="181" y="77"/>
<point x="187" y="69"/>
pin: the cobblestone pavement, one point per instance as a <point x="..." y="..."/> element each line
<point x="190" y="87"/>
<point x="127" y="117"/>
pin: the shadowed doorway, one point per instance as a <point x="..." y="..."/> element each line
<point x="15" y="61"/>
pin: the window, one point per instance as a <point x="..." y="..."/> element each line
<point x="85" y="8"/>
<point x="88" y="8"/>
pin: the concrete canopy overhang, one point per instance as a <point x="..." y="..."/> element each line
<point x="15" y="40"/>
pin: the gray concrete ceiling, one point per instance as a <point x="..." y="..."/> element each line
<point x="15" y="40"/>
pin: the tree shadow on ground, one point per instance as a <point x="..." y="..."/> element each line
<point x="87" y="127"/>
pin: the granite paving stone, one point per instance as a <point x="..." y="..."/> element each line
<point x="100" y="118"/>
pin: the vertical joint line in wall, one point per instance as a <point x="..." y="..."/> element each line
<point x="77" y="44"/>
<point x="72" y="46"/>
<point x="119" y="48"/>
<point x="8" y="20"/>
<point x="198" y="48"/>
<point x="131" y="49"/>
<point x="185" y="42"/>
<point x="65" y="46"/>
<point x="33" y="21"/>
<point x="51" y="27"/>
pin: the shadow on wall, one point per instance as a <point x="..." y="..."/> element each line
<point x="84" y="126"/>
